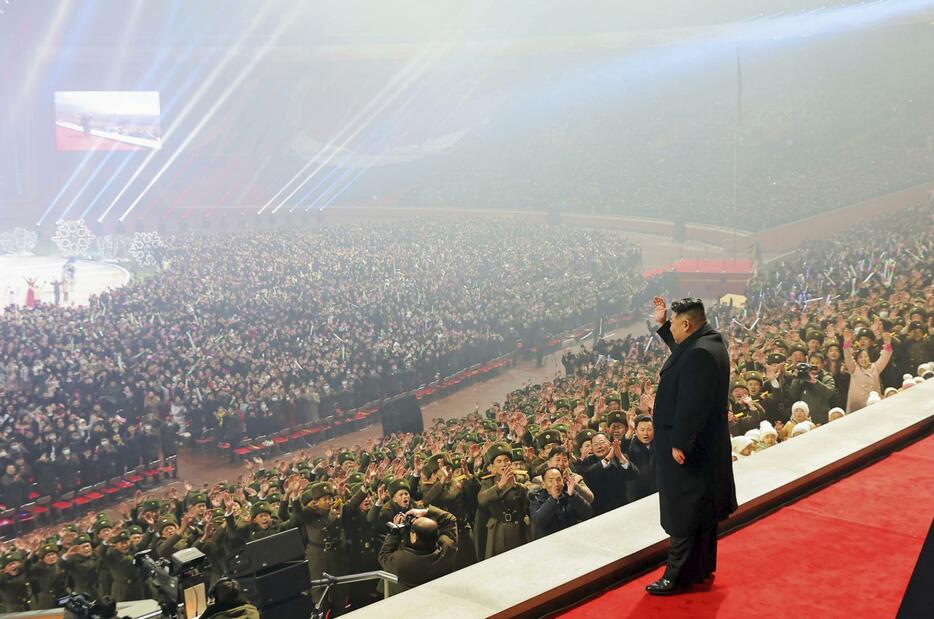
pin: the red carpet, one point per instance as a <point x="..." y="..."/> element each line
<point x="845" y="551"/>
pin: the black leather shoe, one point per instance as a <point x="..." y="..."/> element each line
<point x="663" y="586"/>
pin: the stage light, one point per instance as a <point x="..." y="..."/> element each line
<point x="406" y="75"/>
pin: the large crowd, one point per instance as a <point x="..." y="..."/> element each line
<point x="243" y="335"/>
<point x="842" y="324"/>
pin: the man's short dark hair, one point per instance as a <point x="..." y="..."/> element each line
<point x="692" y="307"/>
<point x="640" y="418"/>
<point x="558" y="450"/>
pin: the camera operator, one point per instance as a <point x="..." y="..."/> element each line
<point x="811" y="384"/>
<point x="229" y="602"/>
<point x="420" y="547"/>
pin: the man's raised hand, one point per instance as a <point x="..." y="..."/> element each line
<point x="661" y="310"/>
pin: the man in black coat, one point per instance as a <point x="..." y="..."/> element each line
<point x="606" y="473"/>
<point x="641" y="453"/>
<point x="695" y="471"/>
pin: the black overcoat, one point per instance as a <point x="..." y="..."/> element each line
<point x="691" y="414"/>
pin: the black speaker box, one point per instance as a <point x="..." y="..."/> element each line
<point x="277" y="585"/>
<point x="401" y="414"/>
<point x="266" y="553"/>
<point x="296" y="608"/>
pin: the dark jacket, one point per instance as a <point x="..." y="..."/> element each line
<point x="415" y="567"/>
<point x="550" y="515"/>
<point x="608" y="483"/>
<point x="691" y="415"/>
<point x="645" y="482"/>
<point x="241" y="611"/>
<point x="818" y="395"/>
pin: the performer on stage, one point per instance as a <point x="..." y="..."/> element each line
<point x="693" y="464"/>
<point x="31" y="285"/>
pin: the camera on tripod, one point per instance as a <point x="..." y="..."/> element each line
<point x="178" y="582"/>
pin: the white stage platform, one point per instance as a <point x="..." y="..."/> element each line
<point x="91" y="277"/>
<point x="523" y="581"/>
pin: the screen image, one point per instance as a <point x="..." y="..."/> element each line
<point x="107" y="120"/>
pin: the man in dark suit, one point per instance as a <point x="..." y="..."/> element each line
<point x="695" y="482"/>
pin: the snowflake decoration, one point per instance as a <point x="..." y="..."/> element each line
<point x="73" y="238"/>
<point x="6" y="243"/>
<point x="24" y="241"/>
<point x="110" y="247"/>
<point x="144" y="248"/>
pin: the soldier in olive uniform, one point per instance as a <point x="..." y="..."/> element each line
<point x="126" y="579"/>
<point x="47" y="577"/>
<point x="81" y="565"/>
<point x="505" y="503"/>
<point x="319" y="518"/>
<point x="444" y="490"/>
<point x="15" y="588"/>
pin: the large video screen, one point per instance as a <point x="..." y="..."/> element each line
<point x="107" y="120"/>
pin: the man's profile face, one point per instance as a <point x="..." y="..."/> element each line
<point x="680" y="327"/>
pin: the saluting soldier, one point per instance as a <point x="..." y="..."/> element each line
<point x="15" y="588"/>
<point x="126" y="579"/>
<point x="81" y="565"/>
<point x="47" y="577"/>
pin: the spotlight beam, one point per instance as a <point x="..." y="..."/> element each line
<point x="242" y="75"/>
<point x="407" y="75"/>
<point x="195" y="99"/>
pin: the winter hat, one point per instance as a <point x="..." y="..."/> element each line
<point x="801" y="428"/>
<point x="740" y="443"/>
<point x="873" y="398"/>
<point x="754" y="435"/>
<point x="890" y="391"/>
<point x="907" y="381"/>
<point x="801" y="405"/>
<point x="836" y="410"/>
<point x="765" y="428"/>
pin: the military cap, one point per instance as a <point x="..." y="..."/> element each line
<point x="518" y="454"/>
<point x="274" y="496"/>
<point x="775" y="357"/>
<point x="101" y="524"/>
<point x="46" y="549"/>
<point x="780" y="344"/>
<point x="798" y="346"/>
<point x="344" y="456"/>
<point x="813" y="334"/>
<point x="547" y="437"/>
<point x="164" y="522"/>
<point x="496" y="450"/>
<point x="319" y="489"/>
<point x="583" y="436"/>
<point x="70" y="528"/>
<point x="860" y="320"/>
<point x="150" y="505"/>
<point x="260" y="508"/>
<point x="218" y="514"/>
<point x="915" y="325"/>
<point x="865" y="333"/>
<point x="122" y="536"/>
<point x="739" y="383"/>
<point x="918" y="310"/>
<point x="398" y="484"/>
<point x="435" y="461"/>
<point x="355" y="478"/>
<point x="754" y="375"/>
<point x="84" y="538"/>
<point x="612" y="396"/>
<point x="194" y="498"/>
<point x="616" y="417"/>
<point x="563" y="403"/>
<point x="10" y="557"/>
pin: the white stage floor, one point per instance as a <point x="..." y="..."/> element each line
<point x="91" y="277"/>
